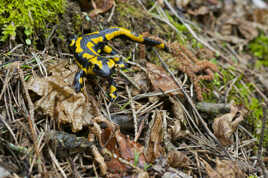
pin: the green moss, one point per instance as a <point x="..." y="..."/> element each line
<point x="259" y="48"/>
<point x="31" y="15"/>
<point x="243" y="94"/>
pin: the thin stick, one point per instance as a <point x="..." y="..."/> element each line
<point x="112" y="13"/>
<point x="9" y="129"/>
<point x="54" y="159"/>
<point x="133" y="111"/>
<point x="260" y="161"/>
<point x="129" y="79"/>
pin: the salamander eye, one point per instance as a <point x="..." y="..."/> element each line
<point x="71" y="40"/>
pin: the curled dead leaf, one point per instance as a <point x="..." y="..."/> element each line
<point x="101" y="6"/>
<point x="177" y="159"/>
<point x="177" y="109"/>
<point x="224" y="168"/>
<point x="160" y="79"/>
<point x="124" y="148"/>
<point x="154" y="138"/>
<point x="225" y="125"/>
<point x="200" y="11"/>
<point x="59" y="100"/>
<point x="176" y="131"/>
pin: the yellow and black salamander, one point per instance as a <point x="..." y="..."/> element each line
<point x="88" y="50"/>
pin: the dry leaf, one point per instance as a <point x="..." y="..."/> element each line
<point x="224" y="168"/>
<point x="176" y="132"/>
<point x="153" y="148"/>
<point x="247" y="29"/>
<point x="260" y="16"/>
<point x="101" y="6"/>
<point x="200" y="11"/>
<point x="182" y="3"/>
<point x="177" y="159"/>
<point x="123" y="147"/>
<point x="160" y="78"/>
<point x="177" y="110"/>
<point x="59" y="100"/>
<point x="225" y="125"/>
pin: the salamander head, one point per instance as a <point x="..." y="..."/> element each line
<point x="71" y="42"/>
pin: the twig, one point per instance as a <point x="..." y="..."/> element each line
<point x="40" y="64"/>
<point x="6" y="82"/>
<point x="9" y="129"/>
<point x="31" y="116"/>
<point x="112" y="13"/>
<point x="54" y="159"/>
<point x="133" y="111"/>
<point x="141" y="126"/>
<point x="230" y="88"/>
<point x="260" y="161"/>
<point x="129" y="79"/>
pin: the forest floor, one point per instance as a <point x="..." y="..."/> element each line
<point x="198" y="110"/>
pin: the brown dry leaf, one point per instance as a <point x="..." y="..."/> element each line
<point x="225" y="125"/>
<point x="200" y="11"/>
<point x="176" y="132"/>
<point x="59" y="100"/>
<point x="260" y="16"/>
<point x="154" y="138"/>
<point x="177" y="110"/>
<point x="224" y="168"/>
<point x="124" y="148"/>
<point x="247" y="29"/>
<point x="182" y="3"/>
<point x="141" y="80"/>
<point x="101" y="6"/>
<point x="160" y="79"/>
<point x="177" y="159"/>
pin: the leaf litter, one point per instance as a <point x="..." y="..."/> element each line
<point x="173" y="141"/>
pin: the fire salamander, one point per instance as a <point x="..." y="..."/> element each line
<point x="88" y="48"/>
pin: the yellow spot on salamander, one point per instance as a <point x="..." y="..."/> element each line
<point x="112" y="90"/>
<point x="116" y="59"/>
<point x="90" y="46"/>
<point x="96" y="61"/>
<point x="80" y="66"/>
<point x="107" y="49"/>
<point x="110" y="36"/>
<point x="97" y="40"/>
<point x="110" y="63"/>
<point x="87" y="56"/>
<point x="81" y="80"/>
<point x="78" y="45"/>
<point x="90" y="71"/>
<point x="93" y="33"/>
<point x="161" y="45"/>
<point x="72" y="42"/>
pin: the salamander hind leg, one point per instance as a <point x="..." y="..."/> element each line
<point x="79" y="81"/>
<point x="113" y="90"/>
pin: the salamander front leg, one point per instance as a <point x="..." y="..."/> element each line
<point x="79" y="81"/>
<point x="113" y="89"/>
